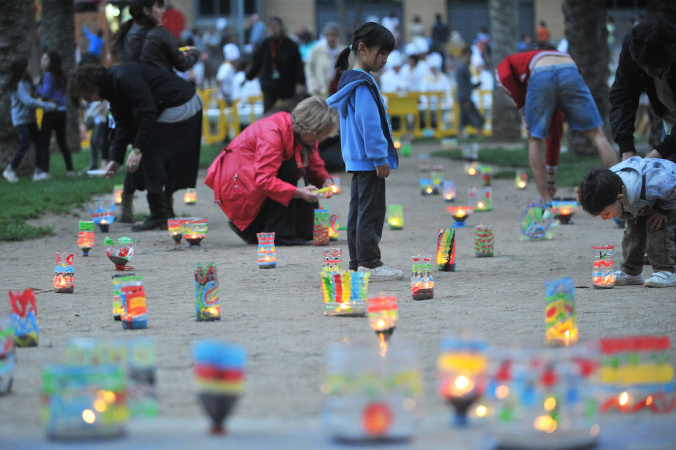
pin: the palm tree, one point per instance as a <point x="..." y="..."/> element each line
<point x="17" y="31"/>
<point x="504" y="20"/>
<point x="585" y="26"/>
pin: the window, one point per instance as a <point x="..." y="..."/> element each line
<point x="214" y="8"/>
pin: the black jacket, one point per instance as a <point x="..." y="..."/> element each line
<point x="630" y="81"/>
<point x="156" y="46"/>
<point x="138" y="93"/>
<point x="288" y="62"/>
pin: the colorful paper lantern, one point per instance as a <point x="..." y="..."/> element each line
<point x="120" y="252"/>
<point x="24" y="314"/>
<point x="207" y="303"/>
<point x="472" y="168"/>
<point x="219" y="374"/>
<point x="194" y="229"/>
<point x="267" y="255"/>
<point x="117" y="193"/>
<point x="117" y="295"/>
<point x="64" y="273"/>
<point x="521" y="179"/>
<point x="460" y="214"/>
<point x="406" y="149"/>
<point x="481" y="198"/>
<point x="85" y="236"/>
<point x="7" y="355"/>
<point x="446" y="250"/>
<point x="395" y="217"/>
<point x="560" y="314"/>
<point x="535" y="221"/>
<point x="448" y="191"/>
<point x="103" y="212"/>
<point x="603" y="269"/>
<point x="422" y="283"/>
<point x="333" y="259"/>
<point x="174" y="227"/>
<point x="370" y="398"/>
<point x="383" y="314"/>
<point x="426" y="187"/>
<point x="484" y="241"/>
<point x="190" y="197"/>
<point x="344" y="292"/>
<point x="84" y="402"/>
<point x="437" y="175"/>
<point x="486" y="175"/>
<point x="320" y="231"/>
<point x="462" y="367"/>
<point x="564" y="210"/>
<point x="636" y="374"/>
<point x="423" y="162"/>
<point x="134" y="313"/>
<point x="333" y="228"/>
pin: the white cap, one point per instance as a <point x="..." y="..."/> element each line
<point x="421" y="44"/>
<point x="221" y="23"/>
<point x="410" y="49"/>
<point x="434" y="60"/>
<point x="231" y="52"/>
<point x="395" y="59"/>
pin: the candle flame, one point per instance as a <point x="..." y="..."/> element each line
<point x="522" y="184"/>
<point x="567" y="338"/>
<point x="545" y="423"/>
<point x="88" y="416"/>
<point x="624" y="398"/>
<point x="481" y="411"/>
<point x="383" y="344"/>
<point x="461" y="382"/>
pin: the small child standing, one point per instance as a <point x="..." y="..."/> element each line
<point x="367" y="146"/>
<point x="643" y="192"/>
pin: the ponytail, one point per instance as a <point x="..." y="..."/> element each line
<point x="373" y="35"/>
<point x="343" y="60"/>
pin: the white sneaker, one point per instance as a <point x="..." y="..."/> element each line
<point x="382" y="273"/>
<point x="39" y="176"/>
<point x="10" y="175"/>
<point x="661" y="279"/>
<point x="622" y="279"/>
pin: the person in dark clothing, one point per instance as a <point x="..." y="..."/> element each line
<point x="469" y="115"/>
<point x="157" y="112"/>
<point x="278" y="65"/>
<point x="647" y="63"/>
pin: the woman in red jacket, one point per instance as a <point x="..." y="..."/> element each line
<point x="255" y="177"/>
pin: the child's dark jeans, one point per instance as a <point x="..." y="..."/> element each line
<point x="365" y="219"/>
<point x="27" y="133"/>
<point x="658" y="244"/>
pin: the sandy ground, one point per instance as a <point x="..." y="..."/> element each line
<point x="278" y="314"/>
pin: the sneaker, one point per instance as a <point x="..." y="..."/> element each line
<point x="39" y="176"/>
<point x="10" y="175"/>
<point x="661" y="279"/>
<point x="382" y="273"/>
<point x="622" y="279"/>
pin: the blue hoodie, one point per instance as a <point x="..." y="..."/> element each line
<point x="365" y="133"/>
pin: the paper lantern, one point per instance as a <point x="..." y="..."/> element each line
<point x="117" y="193"/>
<point x="369" y="398"/>
<point x="424" y="162"/>
<point x="446" y="250"/>
<point x="462" y="367"/>
<point x="383" y="314"/>
<point x="426" y="187"/>
<point x="541" y="398"/>
<point x="481" y="199"/>
<point x="472" y="168"/>
<point x="560" y="314"/>
<point x="190" y="197"/>
<point x="437" y="175"/>
<point x="134" y="313"/>
<point x="422" y="283"/>
<point x="117" y="295"/>
<point x="267" y="255"/>
<point x="636" y="374"/>
<point x="486" y="173"/>
<point x="120" y="252"/>
<point x="460" y="214"/>
<point x="84" y="402"/>
<point x="7" y="355"/>
<point x="564" y="210"/>
<point x="521" y="179"/>
<point x="535" y="221"/>
<point x="194" y="229"/>
<point x="333" y="259"/>
<point x="24" y="314"/>
<point x="484" y="241"/>
<point x="448" y="191"/>
<point x="344" y="292"/>
<point x="174" y="227"/>
<point x="320" y="231"/>
<point x="103" y="212"/>
<point x="406" y="149"/>
<point x="470" y="152"/>
<point x="333" y="228"/>
<point x="85" y="236"/>
<point x="603" y="269"/>
<point x="219" y="374"/>
<point x="207" y="303"/>
<point x="395" y="217"/>
<point x="64" y="273"/>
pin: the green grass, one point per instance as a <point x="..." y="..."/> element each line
<point x="59" y="195"/>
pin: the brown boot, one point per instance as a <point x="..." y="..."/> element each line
<point x="127" y="215"/>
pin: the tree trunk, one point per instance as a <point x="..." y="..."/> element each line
<point x="504" y="21"/>
<point x="17" y="35"/>
<point x="585" y="27"/>
<point x="58" y="33"/>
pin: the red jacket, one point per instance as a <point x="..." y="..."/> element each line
<point x="245" y="173"/>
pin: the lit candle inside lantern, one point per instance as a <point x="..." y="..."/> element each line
<point x="85" y="238"/>
<point x="460" y="214"/>
<point x="267" y="255"/>
<point x="190" y="197"/>
<point x="194" y="229"/>
<point x="395" y="217"/>
<point x="117" y="193"/>
<point x="564" y="210"/>
<point x="383" y="313"/>
<point x="344" y="292"/>
<point x="207" y="302"/>
<point x="426" y="187"/>
<point x="103" y="213"/>
<point x="422" y="283"/>
<point x="448" y="189"/>
<point x="472" y="168"/>
<point x="174" y="228"/>
<point x="521" y="179"/>
<point x="603" y="269"/>
<point x="64" y="273"/>
<point x="481" y="198"/>
<point x="560" y="315"/>
<point x="122" y="254"/>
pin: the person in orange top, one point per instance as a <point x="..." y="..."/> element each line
<point x="543" y="34"/>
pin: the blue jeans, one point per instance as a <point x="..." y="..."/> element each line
<point x="559" y="87"/>
<point x="27" y="133"/>
<point x="365" y="219"/>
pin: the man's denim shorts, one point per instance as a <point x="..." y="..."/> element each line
<point x="559" y="87"/>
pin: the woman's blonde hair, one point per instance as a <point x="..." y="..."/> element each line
<point x="314" y="115"/>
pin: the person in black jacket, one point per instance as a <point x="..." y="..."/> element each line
<point x="157" y="112"/>
<point x="647" y="63"/>
<point x="278" y="65"/>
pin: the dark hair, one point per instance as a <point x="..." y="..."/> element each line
<point x="84" y="80"/>
<point x="466" y="51"/>
<point x="653" y="43"/>
<point x="599" y="188"/>
<point x="373" y="35"/>
<point x="18" y="71"/>
<point x="60" y="79"/>
<point x="276" y="19"/>
<point x="138" y="15"/>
